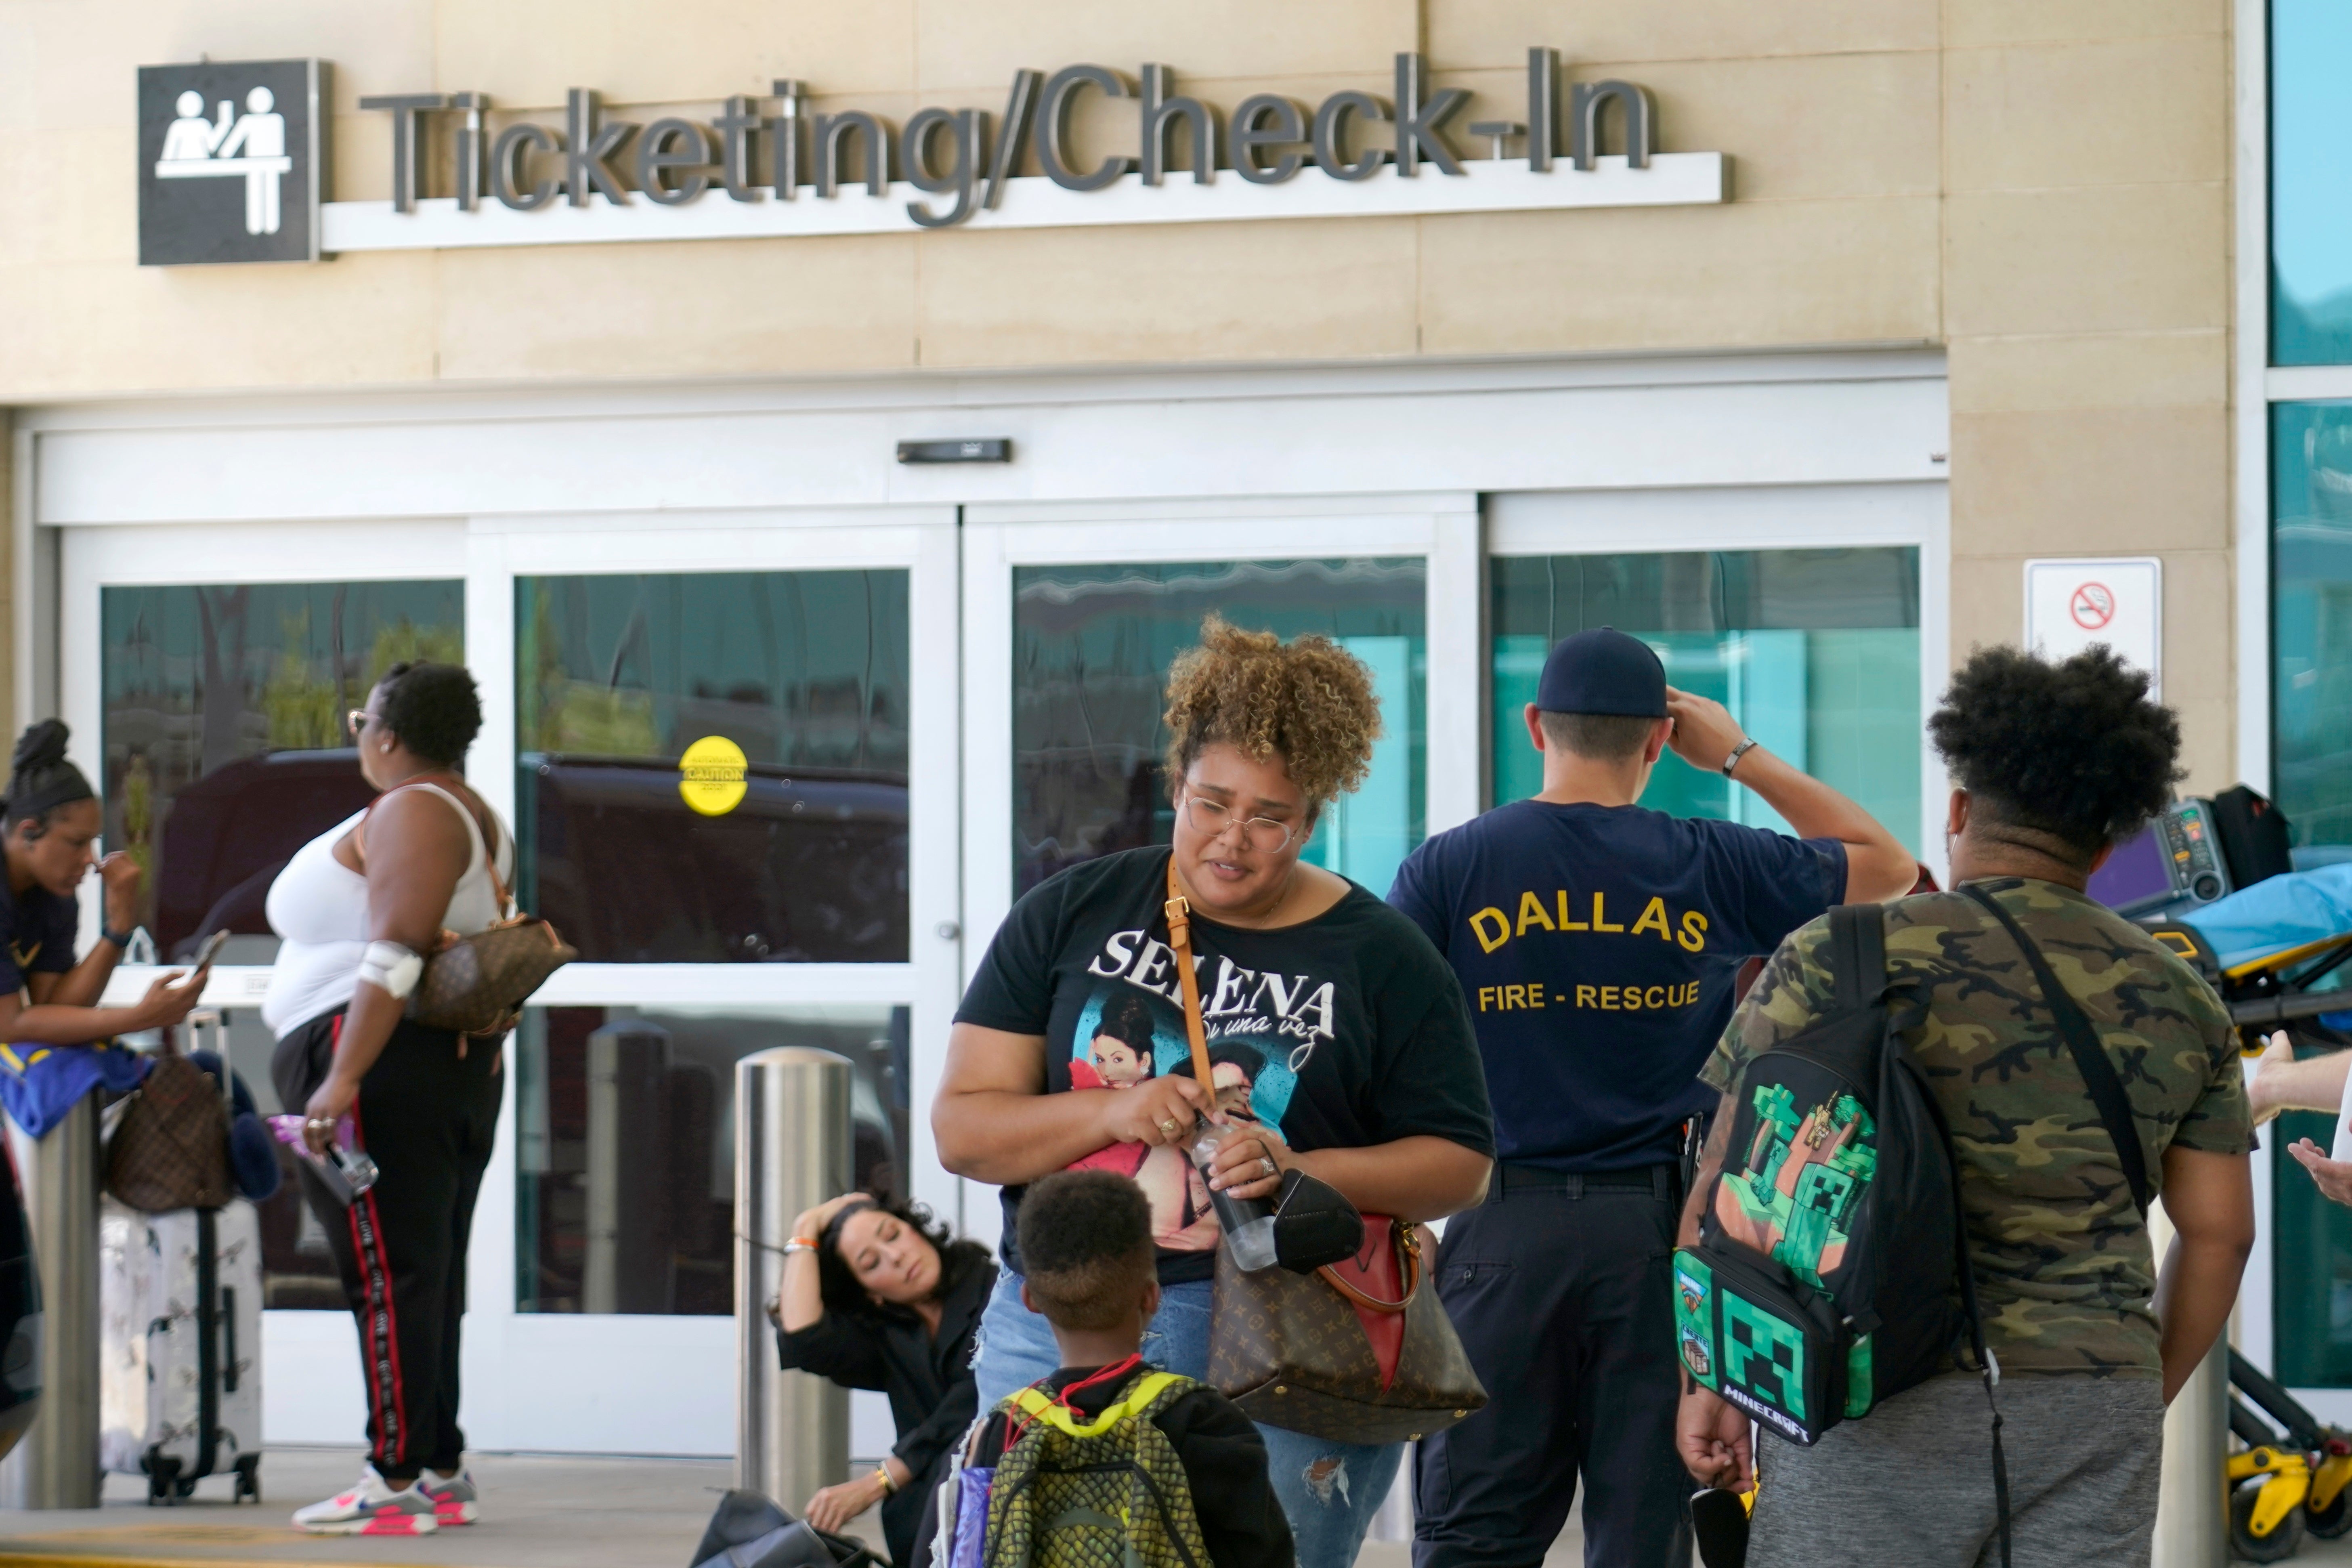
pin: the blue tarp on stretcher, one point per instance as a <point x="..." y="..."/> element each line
<point x="2285" y="912"/>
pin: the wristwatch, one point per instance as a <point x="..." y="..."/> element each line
<point x="1737" y="752"/>
<point x="118" y="937"/>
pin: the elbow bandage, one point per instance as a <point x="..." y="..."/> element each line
<point x="391" y="969"/>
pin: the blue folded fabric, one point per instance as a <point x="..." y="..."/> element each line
<point x="39" y="1084"/>
<point x="2281" y="912"/>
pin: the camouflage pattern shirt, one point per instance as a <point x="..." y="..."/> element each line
<point x="2061" y="1255"/>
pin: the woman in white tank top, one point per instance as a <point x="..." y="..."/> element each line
<point x="359" y="907"/>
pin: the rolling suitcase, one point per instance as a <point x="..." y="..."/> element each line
<point x="180" y="1379"/>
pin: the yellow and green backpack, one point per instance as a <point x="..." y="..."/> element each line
<point x="1106" y="1491"/>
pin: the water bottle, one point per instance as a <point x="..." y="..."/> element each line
<point x="1248" y="1222"/>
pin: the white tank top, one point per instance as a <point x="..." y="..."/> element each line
<point x="317" y="906"/>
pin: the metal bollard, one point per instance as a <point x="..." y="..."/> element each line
<point x="2192" y="1528"/>
<point x="55" y="1464"/>
<point x="792" y="1147"/>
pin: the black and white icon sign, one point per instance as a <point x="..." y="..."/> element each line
<point x="231" y="162"/>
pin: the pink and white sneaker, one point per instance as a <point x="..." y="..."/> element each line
<point x="454" y="1500"/>
<point x="373" y="1507"/>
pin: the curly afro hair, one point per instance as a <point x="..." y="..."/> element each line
<point x="1308" y="702"/>
<point x="431" y="708"/>
<point x="1086" y="1243"/>
<point x="2074" y="750"/>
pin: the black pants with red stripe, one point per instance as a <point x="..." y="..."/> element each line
<point x="426" y="1115"/>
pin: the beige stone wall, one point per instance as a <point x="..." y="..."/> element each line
<point x="1826" y="107"/>
<point x="2087" y="288"/>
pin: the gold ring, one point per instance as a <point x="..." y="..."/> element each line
<point x="1171" y="1128"/>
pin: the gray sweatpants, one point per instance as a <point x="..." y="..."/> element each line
<point x="1911" y="1483"/>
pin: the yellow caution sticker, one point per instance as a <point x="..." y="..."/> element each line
<point x="712" y="775"/>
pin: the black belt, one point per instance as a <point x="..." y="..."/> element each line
<point x="1657" y="1179"/>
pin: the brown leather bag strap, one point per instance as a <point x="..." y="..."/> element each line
<point x="490" y="837"/>
<point x="1180" y="939"/>
<point x="1407" y="1241"/>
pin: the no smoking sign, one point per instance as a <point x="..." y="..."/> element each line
<point x="2092" y="606"/>
<point x="2071" y="605"/>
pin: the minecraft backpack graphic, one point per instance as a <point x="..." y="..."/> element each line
<point x="1831" y="1269"/>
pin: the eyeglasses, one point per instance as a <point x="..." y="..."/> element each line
<point x="355" y="721"/>
<point x="1262" y="834"/>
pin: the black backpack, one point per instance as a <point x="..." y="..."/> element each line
<point x="1823" y="1280"/>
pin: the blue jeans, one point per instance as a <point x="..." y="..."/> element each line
<point x="1329" y="1491"/>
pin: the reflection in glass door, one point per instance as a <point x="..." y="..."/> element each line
<point x="624" y="1180"/>
<point x="1816" y="653"/>
<point x="1092" y="645"/>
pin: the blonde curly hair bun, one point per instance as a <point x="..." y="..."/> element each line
<point x="1308" y="702"/>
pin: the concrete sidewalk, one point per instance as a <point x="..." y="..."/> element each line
<point x="540" y="1511"/>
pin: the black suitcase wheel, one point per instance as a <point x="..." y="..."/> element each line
<point x="248" y="1478"/>
<point x="2246" y="1546"/>
<point x="163" y="1483"/>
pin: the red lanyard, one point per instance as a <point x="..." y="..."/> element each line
<point x="1107" y="1374"/>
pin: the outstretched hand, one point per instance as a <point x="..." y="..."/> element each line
<point x="2331" y="1177"/>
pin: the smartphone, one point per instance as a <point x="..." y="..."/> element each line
<point x="203" y="961"/>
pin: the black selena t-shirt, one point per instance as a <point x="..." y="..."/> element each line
<point x="1339" y="1032"/>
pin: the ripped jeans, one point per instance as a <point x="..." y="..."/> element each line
<point x="1329" y="1491"/>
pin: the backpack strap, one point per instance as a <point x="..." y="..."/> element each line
<point x="2106" y="1090"/>
<point x="1040" y="1406"/>
<point x="1857" y="957"/>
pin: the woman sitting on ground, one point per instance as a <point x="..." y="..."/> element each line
<point x="877" y="1296"/>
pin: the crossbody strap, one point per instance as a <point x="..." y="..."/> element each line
<point x="2106" y="1090"/>
<point x="1857" y="957"/>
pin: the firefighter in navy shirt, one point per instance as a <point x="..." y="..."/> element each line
<point x="1597" y="945"/>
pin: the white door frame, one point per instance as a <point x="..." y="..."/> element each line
<point x="659" y="1384"/>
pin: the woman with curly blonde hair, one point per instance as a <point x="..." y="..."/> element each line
<point x="1335" y="1022"/>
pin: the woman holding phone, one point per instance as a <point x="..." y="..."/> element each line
<point x="360" y="909"/>
<point x="48" y="825"/>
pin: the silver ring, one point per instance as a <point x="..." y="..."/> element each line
<point x="1267" y="1163"/>
<point x="318" y="1121"/>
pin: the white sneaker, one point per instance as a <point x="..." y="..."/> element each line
<point x="373" y="1507"/>
<point x="454" y="1500"/>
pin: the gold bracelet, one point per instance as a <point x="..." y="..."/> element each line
<point x="889" y="1482"/>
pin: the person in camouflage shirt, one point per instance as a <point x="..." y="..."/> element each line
<point x="2055" y="763"/>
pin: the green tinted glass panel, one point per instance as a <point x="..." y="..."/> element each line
<point x="2311" y="619"/>
<point x="2311" y="181"/>
<point x="223" y="737"/>
<point x="806" y="673"/>
<point x="1091" y="650"/>
<point x="2311" y="778"/>
<point x="2311" y="1265"/>
<point x="625" y="1144"/>
<point x="1816" y="652"/>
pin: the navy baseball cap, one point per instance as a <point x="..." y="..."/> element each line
<point x="1603" y="671"/>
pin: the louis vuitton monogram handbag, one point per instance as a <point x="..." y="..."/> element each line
<point x="1356" y="1351"/>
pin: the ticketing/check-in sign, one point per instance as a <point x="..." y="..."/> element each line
<point x="2070" y="605"/>
<point x="231" y="162"/>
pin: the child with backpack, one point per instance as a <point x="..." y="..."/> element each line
<point x="1109" y="1462"/>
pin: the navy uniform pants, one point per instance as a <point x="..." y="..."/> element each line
<point x="1561" y="1289"/>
